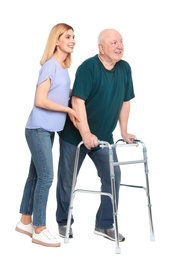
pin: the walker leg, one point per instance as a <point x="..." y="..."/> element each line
<point x="114" y="206"/>
<point x="66" y="239"/>
<point x="117" y="248"/>
<point x="152" y="237"/>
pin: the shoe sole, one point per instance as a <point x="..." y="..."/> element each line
<point x="45" y="244"/>
<point x="23" y="231"/>
<point x="106" y="236"/>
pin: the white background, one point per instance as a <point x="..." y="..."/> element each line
<point x="146" y="27"/>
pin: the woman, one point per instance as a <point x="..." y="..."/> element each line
<point x="47" y="117"/>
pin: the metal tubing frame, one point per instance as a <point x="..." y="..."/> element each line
<point x="146" y="171"/>
<point x="113" y="195"/>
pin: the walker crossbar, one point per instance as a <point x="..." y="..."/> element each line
<point x="112" y="195"/>
<point x="134" y="186"/>
<point x="92" y="192"/>
<point x="128" y="162"/>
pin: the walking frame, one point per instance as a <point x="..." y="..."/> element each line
<point x="112" y="195"/>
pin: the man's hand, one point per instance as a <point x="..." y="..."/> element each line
<point x="90" y="140"/>
<point x="128" y="138"/>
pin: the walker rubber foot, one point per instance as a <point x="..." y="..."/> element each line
<point x="118" y="250"/>
<point x="152" y="238"/>
<point x="66" y="240"/>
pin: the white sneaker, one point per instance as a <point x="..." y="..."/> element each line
<point x="25" y="229"/>
<point x="45" y="238"/>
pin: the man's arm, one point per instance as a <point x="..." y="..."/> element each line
<point x="123" y="122"/>
<point x="88" y="138"/>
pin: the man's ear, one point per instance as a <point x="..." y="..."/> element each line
<point x="100" y="47"/>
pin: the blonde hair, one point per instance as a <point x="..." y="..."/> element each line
<point x="50" y="48"/>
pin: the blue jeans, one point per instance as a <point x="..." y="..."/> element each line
<point x="40" y="177"/>
<point x="100" y="158"/>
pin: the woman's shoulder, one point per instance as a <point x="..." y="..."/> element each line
<point x="51" y="61"/>
<point x="49" y="65"/>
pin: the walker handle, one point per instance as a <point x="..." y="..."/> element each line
<point x="135" y="142"/>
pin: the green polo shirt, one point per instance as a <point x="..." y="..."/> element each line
<point x="104" y="92"/>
